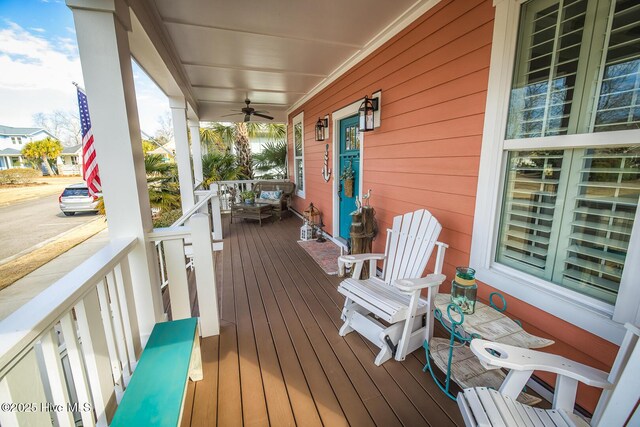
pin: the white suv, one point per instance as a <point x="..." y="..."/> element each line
<point x="76" y="198"/>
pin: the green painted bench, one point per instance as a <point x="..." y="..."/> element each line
<point x="155" y="395"/>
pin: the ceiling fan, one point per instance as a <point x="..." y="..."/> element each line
<point x="250" y="111"/>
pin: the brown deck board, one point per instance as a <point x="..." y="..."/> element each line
<point x="205" y="407"/>
<point x="254" y="407"/>
<point x="347" y="396"/>
<point x="278" y="404"/>
<point x="301" y="400"/>
<point x="401" y="406"/>
<point x="279" y="359"/>
<point x="409" y="380"/>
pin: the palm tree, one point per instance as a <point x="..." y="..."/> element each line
<point x="44" y="150"/>
<point x="222" y="136"/>
<point x="162" y="181"/>
<point x="219" y="166"/>
<point x="243" y="149"/>
<point x="272" y="161"/>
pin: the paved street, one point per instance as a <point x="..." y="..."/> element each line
<point x="25" y="224"/>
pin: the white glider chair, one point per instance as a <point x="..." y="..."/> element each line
<point x="617" y="407"/>
<point x="394" y="298"/>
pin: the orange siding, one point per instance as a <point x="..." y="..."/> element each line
<point x="433" y="77"/>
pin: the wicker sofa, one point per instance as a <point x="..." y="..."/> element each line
<point x="279" y="205"/>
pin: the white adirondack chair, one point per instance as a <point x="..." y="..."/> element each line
<point x="395" y="297"/>
<point x="618" y="404"/>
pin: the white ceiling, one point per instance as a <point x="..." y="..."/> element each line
<point x="273" y="51"/>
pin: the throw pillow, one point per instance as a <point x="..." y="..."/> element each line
<point x="270" y="195"/>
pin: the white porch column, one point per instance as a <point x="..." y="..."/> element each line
<point x="183" y="154"/>
<point x="101" y="28"/>
<point x="196" y="149"/>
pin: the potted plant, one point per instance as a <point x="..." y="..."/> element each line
<point x="248" y="197"/>
<point x="347" y="178"/>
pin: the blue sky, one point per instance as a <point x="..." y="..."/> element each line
<point x="39" y="60"/>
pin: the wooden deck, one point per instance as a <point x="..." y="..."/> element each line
<point x="279" y="359"/>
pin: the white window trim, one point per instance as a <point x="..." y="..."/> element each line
<point x="587" y="313"/>
<point x="298" y="119"/>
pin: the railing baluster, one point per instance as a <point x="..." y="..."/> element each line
<point x="23" y="385"/>
<point x="55" y="375"/>
<point x="129" y="316"/>
<point x="118" y="329"/>
<point x="7" y="418"/>
<point x="77" y="367"/>
<point x="112" y="347"/>
<point x="178" y="283"/>
<point x="205" y="275"/>
<point x="96" y="355"/>
<point x="216" y="217"/>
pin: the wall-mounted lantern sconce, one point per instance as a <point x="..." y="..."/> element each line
<point x="369" y="112"/>
<point x="322" y="129"/>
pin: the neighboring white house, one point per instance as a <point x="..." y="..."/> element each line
<point x="70" y="160"/>
<point x="12" y="140"/>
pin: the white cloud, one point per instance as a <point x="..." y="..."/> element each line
<point x="38" y="30"/>
<point x="37" y="75"/>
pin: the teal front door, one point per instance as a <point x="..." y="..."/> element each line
<point x="349" y="160"/>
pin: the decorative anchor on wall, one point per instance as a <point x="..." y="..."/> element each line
<point x="326" y="172"/>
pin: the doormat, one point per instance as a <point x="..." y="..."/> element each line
<point x="324" y="254"/>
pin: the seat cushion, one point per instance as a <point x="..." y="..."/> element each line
<point x="383" y="300"/>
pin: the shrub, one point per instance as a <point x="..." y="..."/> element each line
<point x="166" y="218"/>
<point x="18" y="176"/>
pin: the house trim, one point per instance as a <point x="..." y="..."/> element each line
<point x="587" y="313"/>
<point x="336" y="116"/>
<point x="299" y="118"/>
<point x="416" y="10"/>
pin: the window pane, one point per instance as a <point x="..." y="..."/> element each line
<point x="619" y="101"/>
<point x="297" y="139"/>
<point x="544" y="81"/>
<point x="601" y="220"/>
<point x="529" y="209"/>
<point x="298" y="172"/>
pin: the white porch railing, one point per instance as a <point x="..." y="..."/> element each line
<point x="67" y="355"/>
<point x="207" y="202"/>
<point x="171" y="243"/>
<point x="91" y="312"/>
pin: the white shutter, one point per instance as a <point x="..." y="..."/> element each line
<point x="618" y="103"/>
<point x="547" y="69"/>
<point x="529" y="210"/>
<point x="598" y="224"/>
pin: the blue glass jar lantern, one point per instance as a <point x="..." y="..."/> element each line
<point x="464" y="289"/>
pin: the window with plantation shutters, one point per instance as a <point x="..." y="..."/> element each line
<point x="569" y="207"/>
<point x="547" y="70"/>
<point x="618" y="103"/>
<point x="567" y="216"/>
<point x="598" y="224"/>
<point x="298" y="153"/>
<point x="529" y="210"/>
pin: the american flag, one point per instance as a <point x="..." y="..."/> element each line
<point x="89" y="165"/>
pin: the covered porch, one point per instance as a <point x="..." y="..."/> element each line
<point x="268" y="315"/>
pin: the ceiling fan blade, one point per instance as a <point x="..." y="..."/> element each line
<point x="264" y="116"/>
<point x="233" y="114"/>
<point x="261" y="111"/>
<point x="247" y="117"/>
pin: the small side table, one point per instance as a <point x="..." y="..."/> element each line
<point x="457" y="361"/>
<point x="255" y="211"/>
